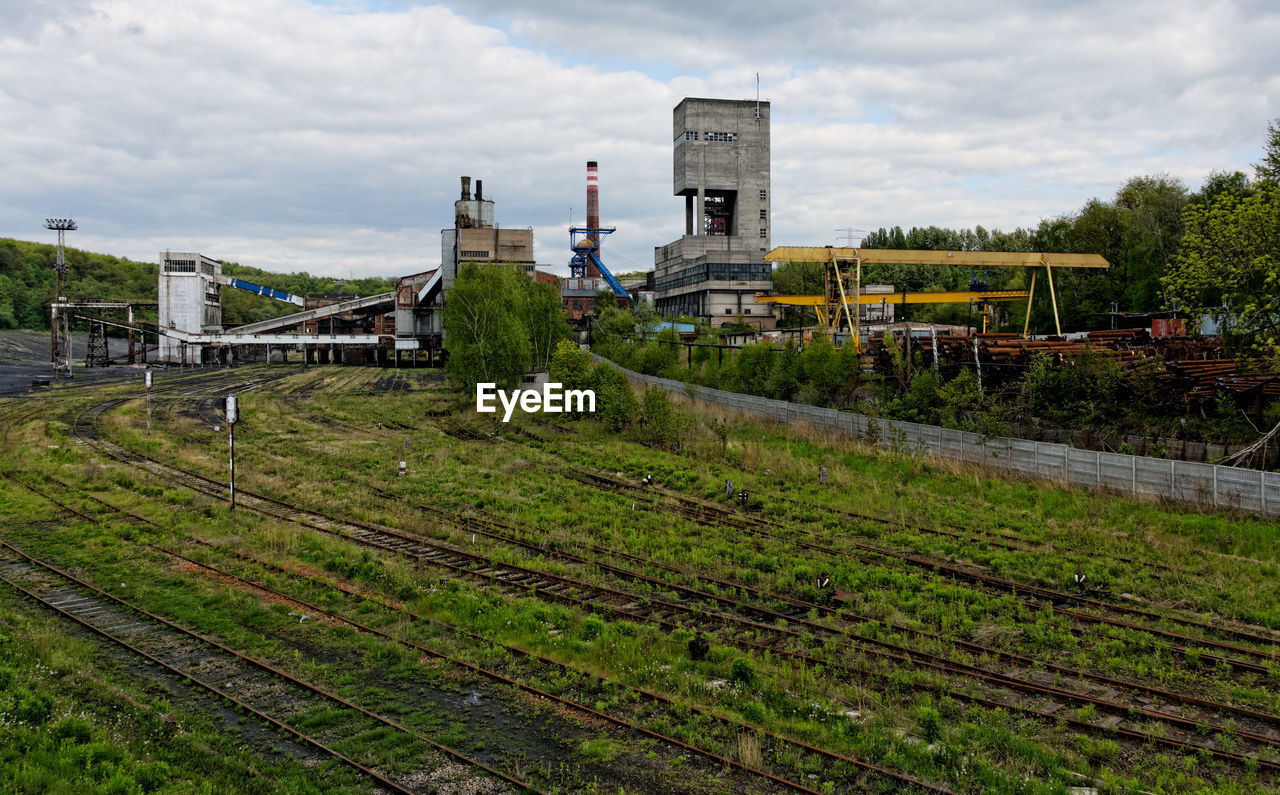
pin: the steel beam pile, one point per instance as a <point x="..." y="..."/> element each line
<point x="1189" y="370"/>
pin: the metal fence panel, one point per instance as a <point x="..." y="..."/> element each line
<point x="1184" y="481"/>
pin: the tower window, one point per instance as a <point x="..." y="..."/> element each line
<point x="764" y="194"/>
<point x="762" y="215"/>
<point x="722" y="137"/>
<point x="764" y="232"/>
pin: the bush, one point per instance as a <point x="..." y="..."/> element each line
<point x="151" y="777"/>
<point x="616" y="404"/>
<point x="591" y="628"/>
<point x="930" y="724"/>
<point x="76" y="730"/>
<point x="34" y="709"/>
<point x="742" y="672"/>
<point x="661" y="422"/>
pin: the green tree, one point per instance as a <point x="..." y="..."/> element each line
<point x="1150" y="230"/>
<point x="616" y="404"/>
<point x="544" y="320"/>
<point x="1229" y="265"/>
<point x="570" y="366"/>
<point x="1268" y="169"/>
<point x="662" y="423"/>
<point x="485" y="338"/>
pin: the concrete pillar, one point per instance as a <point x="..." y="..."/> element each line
<point x="700" y="212"/>
<point x="688" y="214"/>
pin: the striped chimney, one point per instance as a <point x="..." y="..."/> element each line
<point x="593" y="209"/>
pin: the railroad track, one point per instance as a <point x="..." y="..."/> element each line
<point x="702" y="512"/>
<point x="520" y="579"/>
<point x="829" y="758"/>
<point x="275" y="697"/>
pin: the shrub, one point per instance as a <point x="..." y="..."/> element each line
<point x="742" y="672"/>
<point x="616" y="404"/>
<point x="930" y="724"/>
<point x="76" y="730"/>
<point x="34" y="708"/>
<point x="661" y="422"/>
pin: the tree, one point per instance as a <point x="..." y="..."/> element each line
<point x="1229" y="265"/>
<point x="544" y="320"/>
<point x="616" y="404"/>
<point x="1217" y="182"/>
<point x="1268" y="169"/>
<point x="570" y="366"/>
<point x="1150" y="230"/>
<point x="485" y="336"/>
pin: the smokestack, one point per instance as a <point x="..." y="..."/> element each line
<point x="466" y="189"/>
<point x="593" y="211"/>
<point x="593" y="200"/>
<point x="479" y="190"/>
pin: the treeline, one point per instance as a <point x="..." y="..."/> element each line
<point x="27" y="284"/>
<point x="239" y="306"/>
<point x="1141" y="230"/>
<point x="1138" y="231"/>
<point x="27" y="280"/>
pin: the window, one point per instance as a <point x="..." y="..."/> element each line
<point x="748" y="311"/>
<point x="763" y="214"/>
<point x="728" y="311"/>
<point x="687" y="135"/>
<point x="179" y="266"/>
<point x="764" y="195"/>
<point x="482" y="254"/>
<point x="722" y="137"/>
<point x="764" y="232"/>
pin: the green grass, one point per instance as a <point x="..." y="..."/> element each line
<point x="326" y="450"/>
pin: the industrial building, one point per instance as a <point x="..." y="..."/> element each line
<point x="475" y="237"/>
<point x="721" y="168"/>
<point x="405" y="324"/>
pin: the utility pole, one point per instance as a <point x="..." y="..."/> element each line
<point x="147" y="377"/>
<point x="60" y="322"/>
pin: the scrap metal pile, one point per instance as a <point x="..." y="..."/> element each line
<point x="1189" y="370"/>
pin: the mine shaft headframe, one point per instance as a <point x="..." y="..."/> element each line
<point x="839" y="273"/>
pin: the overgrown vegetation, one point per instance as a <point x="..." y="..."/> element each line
<point x="500" y="324"/>
<point x="332" y="449"/>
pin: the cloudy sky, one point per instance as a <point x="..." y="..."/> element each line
<point x="329" y="136"/>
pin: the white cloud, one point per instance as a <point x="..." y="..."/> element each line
<point x="329" y="138"/>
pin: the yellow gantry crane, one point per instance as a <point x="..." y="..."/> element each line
<point x="844" y="279"/>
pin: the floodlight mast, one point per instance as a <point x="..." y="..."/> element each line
<point x="60" y="322"/>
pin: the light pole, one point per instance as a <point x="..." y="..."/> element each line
<point x="147" y="377"/>
<point x="60" y="326"/>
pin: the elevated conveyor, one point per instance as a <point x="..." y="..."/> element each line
<point x="384" y="302"/>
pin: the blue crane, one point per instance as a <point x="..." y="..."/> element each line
<point x="587" y="251"/>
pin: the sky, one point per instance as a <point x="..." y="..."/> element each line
<point x="329" y="136"/>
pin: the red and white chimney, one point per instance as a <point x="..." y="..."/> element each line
<point x="593" y="209"/>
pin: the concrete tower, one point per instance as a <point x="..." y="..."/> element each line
<point x="721" y="168"/>
<point x="190" y="300"/>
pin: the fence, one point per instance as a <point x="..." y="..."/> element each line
<point x="1184" y="481"/>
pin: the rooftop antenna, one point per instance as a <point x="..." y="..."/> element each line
<point x="757" y="96"/>
<point x="60" y="323"/>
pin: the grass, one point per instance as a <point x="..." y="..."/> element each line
<point x="327" y="450"/>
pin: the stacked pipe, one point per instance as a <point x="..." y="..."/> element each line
<point x="1187" y="369"/>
